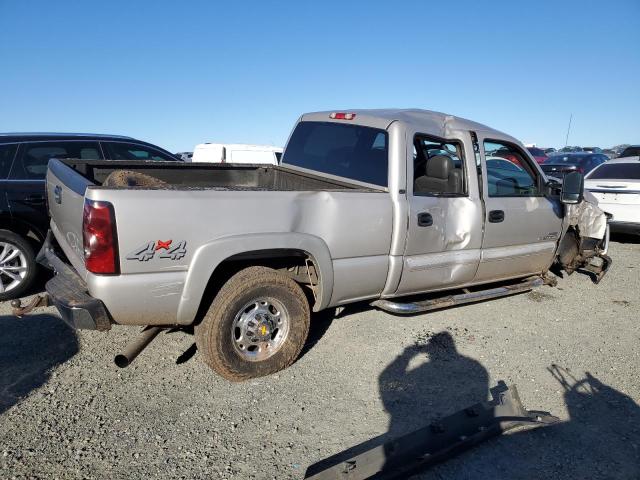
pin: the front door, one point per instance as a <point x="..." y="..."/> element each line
<point x="445" y="225"/>
<point x="522" y="225"/>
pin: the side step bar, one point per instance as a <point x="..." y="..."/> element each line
<point x="459" y="299"/>
<point x="433" y="443"/>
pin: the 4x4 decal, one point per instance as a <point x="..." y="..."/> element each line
<point x="165" y="249"/>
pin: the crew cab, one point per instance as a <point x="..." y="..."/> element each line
<point x="382" y="206"/>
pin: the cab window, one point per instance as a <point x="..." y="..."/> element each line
<point x="509" y="172"/>
<point x="438" y="167"/>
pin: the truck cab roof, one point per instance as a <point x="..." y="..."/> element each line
<point x="426" y="121"/>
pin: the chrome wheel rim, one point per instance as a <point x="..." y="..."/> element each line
<point x="259" y="329"/>
<point x="13" y="266"/>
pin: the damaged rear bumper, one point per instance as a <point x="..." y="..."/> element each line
<point x="68" y="292"/>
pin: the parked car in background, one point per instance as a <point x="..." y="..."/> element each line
<point x="560" y="164"/>
<point x="610" y="153"/>
<point x="592" y="149"/>
<point x="23" y="213"/>
<point x="185" y="156"/>
<point x="498" y="163"/>
<point x="549" y="151"/>
<point x="616" y="185"/>
<point x="630" y="151"/>
<point x="569" y="150"/>
<point x="538" y="154"/>
<point x="236" y="153"/>
<point x="619" y="148"/>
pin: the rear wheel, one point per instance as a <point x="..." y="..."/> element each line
<point x="18" y="266"/>
<point x="256" y="326"/>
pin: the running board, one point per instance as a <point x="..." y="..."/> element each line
<point x="439" y="441"/>
<point x="459" y="299"/>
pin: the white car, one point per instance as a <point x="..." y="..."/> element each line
<point x="236" y="153"/>
<point x="616" y="185"/>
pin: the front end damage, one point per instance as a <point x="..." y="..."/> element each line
<point x="586" y="239"/>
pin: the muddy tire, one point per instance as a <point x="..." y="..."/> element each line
<point x="18" y="267"/>
<point x="128" y="178"/>
<point x="256" y="325"/>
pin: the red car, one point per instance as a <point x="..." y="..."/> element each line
<point x="538" y="154"/>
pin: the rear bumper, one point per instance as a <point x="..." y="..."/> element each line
<point x="624" y="227"/>
<point x="68" y="292"/>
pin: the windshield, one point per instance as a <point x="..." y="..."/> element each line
<point x="617" y="171"/>
<point x="350" y="151"/>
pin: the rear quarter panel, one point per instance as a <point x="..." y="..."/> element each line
<point x="355" y="226"/>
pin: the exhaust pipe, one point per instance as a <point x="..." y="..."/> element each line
<point x="134" y="348"/>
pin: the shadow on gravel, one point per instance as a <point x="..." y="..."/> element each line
<point x="29" y="349"/>
<point x="320" y="323"/>
<point x="427" y="381"/>
<point x="430" y="380"/>
<point x="601" y="440"/>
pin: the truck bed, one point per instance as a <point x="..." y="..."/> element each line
<point x="217" y="176"/>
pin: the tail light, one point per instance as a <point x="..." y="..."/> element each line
<point x="100" y="238"/>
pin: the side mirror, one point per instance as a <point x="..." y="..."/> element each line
<point x="572" y="188"/>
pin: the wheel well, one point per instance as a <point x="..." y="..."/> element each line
<point x="296" y="264"/>
<point x="22" y="228"/>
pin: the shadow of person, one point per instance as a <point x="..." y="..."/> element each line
<point x="424" y="383"/>
<point x="29" y="349"/>
<point x="428" y="381"/>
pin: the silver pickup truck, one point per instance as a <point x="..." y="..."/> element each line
<point x="409" y="210"/>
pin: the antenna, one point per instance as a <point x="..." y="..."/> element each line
<point x="566" y="140"/>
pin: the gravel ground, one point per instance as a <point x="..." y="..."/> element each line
<point x="67" y="412"/>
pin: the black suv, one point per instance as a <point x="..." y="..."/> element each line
<point x="23" y="213"/>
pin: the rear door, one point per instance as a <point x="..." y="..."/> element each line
<point x="26" y="185"/>
<point x="445" y="220"/>
<point x="522" y="226"/>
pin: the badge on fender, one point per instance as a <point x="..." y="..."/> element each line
<point x="165" y="249"/>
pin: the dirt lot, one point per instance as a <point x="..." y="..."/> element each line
<point x="67" y="412"/>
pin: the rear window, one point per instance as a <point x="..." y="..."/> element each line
<point x="570" y="159"/>
<point x="617" y="171"/>
<point x="350" y="151"/>
<point x="630" y="152"/>
<point x="537" y="152"/>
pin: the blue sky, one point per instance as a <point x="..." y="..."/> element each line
<point x="180" y="73"/>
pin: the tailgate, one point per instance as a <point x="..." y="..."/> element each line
<point x="65" y="197"/>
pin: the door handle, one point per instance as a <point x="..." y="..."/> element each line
<point x="34" y="200"/>
<point x="496" y="216"/>
<point x="57" y="194"/>
<point x="425" y="219"/>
